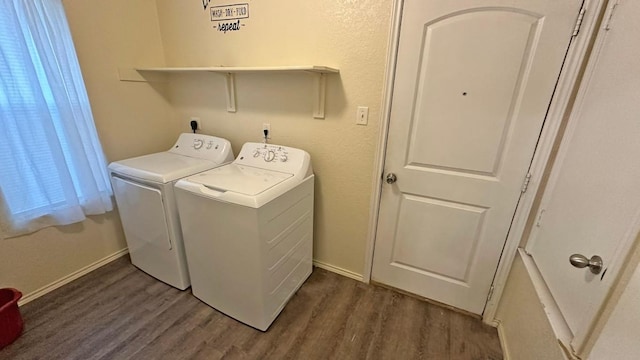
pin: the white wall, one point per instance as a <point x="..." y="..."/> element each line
<point x="132" y="118"/>
<point x="351" y="36"/>
<point x="33" y="261"/>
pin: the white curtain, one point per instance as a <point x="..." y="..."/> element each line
<point x="52" y="168"/>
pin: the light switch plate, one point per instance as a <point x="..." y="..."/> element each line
<point x="362" y="116"/>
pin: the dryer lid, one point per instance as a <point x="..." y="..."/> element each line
<point x="242" y="179"/>
<point x="161" y="167"/>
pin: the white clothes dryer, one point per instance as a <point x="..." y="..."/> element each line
<point x="248" y="231"/>
<point x="143" y="188"/>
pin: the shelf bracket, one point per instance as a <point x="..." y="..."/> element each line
<point x="230" y="85"/>
<point x="319" y="96"/>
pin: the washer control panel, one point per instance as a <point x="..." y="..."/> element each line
<point x="273" y="157"/>
<point x="269" y="153"/>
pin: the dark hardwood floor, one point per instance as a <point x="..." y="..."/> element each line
<point x="119" y="312"/>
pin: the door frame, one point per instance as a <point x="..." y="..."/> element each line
<point x="561" y="102"/>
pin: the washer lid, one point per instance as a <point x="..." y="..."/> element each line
<point x="242" y="179"/>
<point x="161" y="167"/>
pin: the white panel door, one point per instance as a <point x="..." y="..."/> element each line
<point x="472" y="86"/>
<point x="592" y="205"/>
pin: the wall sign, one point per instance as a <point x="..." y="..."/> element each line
<point x="227" y="17"/>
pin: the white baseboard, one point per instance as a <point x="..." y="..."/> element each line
<point x="69" y="278"/>
<point x="89" y="268"/>
<point x="338" y="270"/>
<point x="503" y="342"/>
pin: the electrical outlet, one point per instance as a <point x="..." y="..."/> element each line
<point x="267" y="127"/>
<point x="362" y="116"/>
<point x="197" y="120"/>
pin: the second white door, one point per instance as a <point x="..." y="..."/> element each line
<point x="472" y="86"/>
<point x="592" y="203"/>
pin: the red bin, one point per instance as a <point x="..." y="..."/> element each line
<point x="10" y="318"/>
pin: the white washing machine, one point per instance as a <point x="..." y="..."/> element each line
<point x="248" y="231"/>
<point x="143" y="188"/>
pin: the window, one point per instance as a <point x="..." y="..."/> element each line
<point x="52" y="168"/>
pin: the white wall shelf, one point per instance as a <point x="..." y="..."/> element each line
<point x="145" y="74"/>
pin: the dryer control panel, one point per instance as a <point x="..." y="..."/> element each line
<point x="203" y="147"/>
<point x="275" y="157"/>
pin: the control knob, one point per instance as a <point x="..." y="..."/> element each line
<point x="197" y="143"/>
<point x="269" y="156"/>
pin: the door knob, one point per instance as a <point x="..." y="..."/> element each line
<point x="581" y="261"/>
<point x="391" y="178"/>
